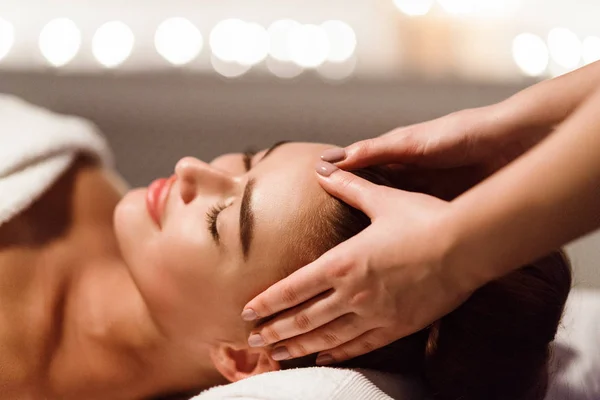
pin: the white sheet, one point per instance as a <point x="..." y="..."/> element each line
<point x="576" y="360"/>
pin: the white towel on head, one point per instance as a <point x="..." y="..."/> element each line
<point x="36" y="147"/>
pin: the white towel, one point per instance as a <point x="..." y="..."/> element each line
<point x="36" y="147"/>
<point x="318" y="383"/>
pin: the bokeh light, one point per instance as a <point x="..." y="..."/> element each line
<point x="342" y="40"/>
<point x="224" y="39"/>
<point x="60" y="41"/>
<point x="178" y="41"/>
<point x="530" y="54"/>
<point x="458" y="7"/>
<point x="565" y="47"/>
<point x="228" y="69"/>
<point x="234" y="40"/>
<point x="253" y="44"/>
<point x="414" y="7"/>
<point x="337" y="71"/>
<point x="591" y="49"/>
<point x="279" y="37"/>
<point x="308" y="45"/>
<point x="7" y="37"/>
<point x="283" y="69"/>
<point x="112" y="43"/>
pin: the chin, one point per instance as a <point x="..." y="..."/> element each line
<point x="132" y="222"/>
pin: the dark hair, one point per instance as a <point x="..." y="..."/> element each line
<point x="494" y="346"/>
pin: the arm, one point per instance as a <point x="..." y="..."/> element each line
<point x="485" y="138"/>
<point x="541" y="201"/>
<point x="549" y="102"/>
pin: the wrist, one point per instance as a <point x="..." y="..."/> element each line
<point x="465" y="262"/>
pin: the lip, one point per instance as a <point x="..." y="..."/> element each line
<point x="156" y="197"/>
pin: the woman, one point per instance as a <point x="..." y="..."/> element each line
<point x="137" y="296"/>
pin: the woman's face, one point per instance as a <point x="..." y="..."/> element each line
<point x="196" y="277"/>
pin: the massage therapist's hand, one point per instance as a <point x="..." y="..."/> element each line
<point x="389" y="281"/>
<point x="484" y="139"/>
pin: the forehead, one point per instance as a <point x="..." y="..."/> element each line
<point x="286" y="190"/>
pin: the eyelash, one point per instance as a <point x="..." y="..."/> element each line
<point x="247" y="158"/>
<point x="211" y="219"/>
<point x="214" y="211"/>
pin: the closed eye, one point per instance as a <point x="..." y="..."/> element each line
<point x="247" y="159"/>
<point x="212" y="214"/>
<point x="211" y="218"/>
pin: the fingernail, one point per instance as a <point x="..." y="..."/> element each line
<point x="280" y="353"/>
<point x="333" y="155"/>
<point x="324" y="359"/>
<point x="325" y="169"/>
<point x="249" y="314"/>
<point x="256" y="340"/>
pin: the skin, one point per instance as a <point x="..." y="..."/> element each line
<point x="108" y="304"/>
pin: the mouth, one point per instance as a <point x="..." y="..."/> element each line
<point x="156" y="197"/>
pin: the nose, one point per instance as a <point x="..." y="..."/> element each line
<point x="197" y="177"/>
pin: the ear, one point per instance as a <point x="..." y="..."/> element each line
<point x="239" y="363"/>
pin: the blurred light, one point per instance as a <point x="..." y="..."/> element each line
<point x="458" y="6"/>
<point x="253" y="44"/>
<point x="337" y="70"/>
<point x="565" y="47"/>
<point x="246" y="43"/>
<point x="112" y="43"/>
<point x="284" y="69"/>
<point x="414" y="7"/>
<point x="279" y="36"/>
<point x="480" y="7"/>
<point x="229" y="69"/>
<point x="342" y="40"/>
<point x="591" y="49"/>
<point x="224" y="39"/>
<point x="530" y="54"/>
<point x="60" y="41"/>
<point x="7" y="37"/>
<point x="309" y="45"/>
<point x="178" y="41"/>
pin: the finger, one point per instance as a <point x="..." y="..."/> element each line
<point x="363" y="344"/>
<point x="342" y="330"/>
<point x="351" y="189"/>
<point x="399" y="146"/>
<point x="299" y="320"/>
<point x="303" y="284"/>
<point x="307" y="282"/>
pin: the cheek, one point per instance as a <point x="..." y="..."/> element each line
<point x="183" y="267"/>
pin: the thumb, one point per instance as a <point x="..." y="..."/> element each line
<point x="351" y="189"/>
<point x="399" y="146"/>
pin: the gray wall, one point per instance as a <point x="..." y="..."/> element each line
<point x="152" y="120"/>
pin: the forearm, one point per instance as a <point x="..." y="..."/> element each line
<point x="548" y="103"/>
<point x="541" y="201"/>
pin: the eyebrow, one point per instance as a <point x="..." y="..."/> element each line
<point x="276" y="145"/>
<point x="247" y="220"/>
